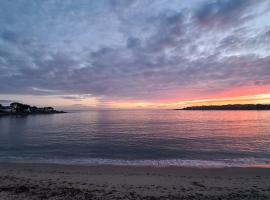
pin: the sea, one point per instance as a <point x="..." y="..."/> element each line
<point x="158" y="138"/>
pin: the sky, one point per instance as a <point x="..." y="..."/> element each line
<point x="134" y="53"/>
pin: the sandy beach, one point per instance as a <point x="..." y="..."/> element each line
<point x="48" y="181"/>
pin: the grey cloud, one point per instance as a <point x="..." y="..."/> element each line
<point x="242" y="41"/>
<point x="171" y="54"/>
<point x="133" y="43"/>
<point x="4" y="101"/>
<point x="71" y="98"/>
<point x="223" y="13"/>
<point x="121" y="3"/>
<point x="9" y="36"/>
<point x="76" y="97"/>
<point x="170" y="27"/>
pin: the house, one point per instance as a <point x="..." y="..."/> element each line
<point x="48" y="109"/>
<point x="34" y="109"/>
<point x="19" y="108"/>
<point x="15" y="107"/>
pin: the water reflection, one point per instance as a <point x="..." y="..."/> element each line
<point x="144" y="134"/>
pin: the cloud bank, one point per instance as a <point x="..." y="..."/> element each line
<point x="133" y="50"/>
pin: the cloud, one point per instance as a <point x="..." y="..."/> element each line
<point x="133" y="43"/>
<point x="4" y="101"/>
<point x="9" y="36"/>
<point x="76" y="97"/>
<point x="169" y="29"/>
<point x="132" y="50"/>
<point x="223" y="13"/>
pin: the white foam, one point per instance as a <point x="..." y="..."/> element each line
<point x="240" y="162"/>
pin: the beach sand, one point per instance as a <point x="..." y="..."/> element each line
<point x="48" y="181"/>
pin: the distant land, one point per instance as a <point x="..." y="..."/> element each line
<point x="24" y="109"/>
<point x="229" y="107"/>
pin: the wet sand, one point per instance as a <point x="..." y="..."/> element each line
<point x="48" y="181"/>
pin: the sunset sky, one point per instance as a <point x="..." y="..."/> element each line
<point x="134" y="53"/>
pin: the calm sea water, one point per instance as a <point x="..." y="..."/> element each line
<point x="141" y="137"/>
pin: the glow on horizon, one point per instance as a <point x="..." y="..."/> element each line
<point x="252" y="99"/>
<point x="93" y="103"/>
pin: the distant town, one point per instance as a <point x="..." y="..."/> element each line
<point x="230" y="107"/>
<point x="20" y="109"/>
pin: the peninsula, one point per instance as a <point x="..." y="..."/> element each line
<point x="24" y="109"/>
<point x="230" y="107"/>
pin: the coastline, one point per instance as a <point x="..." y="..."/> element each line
<point x="230" y="107"/>
<point x="27" y="114"/>
<point x="155" y="163"/>
<point x="55" y="181"/>
<point x="20" y="109"/>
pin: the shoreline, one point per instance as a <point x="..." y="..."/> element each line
<point x="104" y="166"/>
<point x="156" y="163"/>
<point x="27" y="114"/>
<point x="55" y="181"/>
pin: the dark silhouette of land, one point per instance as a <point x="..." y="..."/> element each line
<point x="230" y="107"/>
<point x="24" y="109"/>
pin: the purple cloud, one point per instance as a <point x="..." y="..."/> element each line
<point x="125" y="50"/>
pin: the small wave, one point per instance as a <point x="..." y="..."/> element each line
<point x="240" y="162"/>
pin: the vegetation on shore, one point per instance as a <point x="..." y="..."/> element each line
<point x="22" y="109"/>
<point x="230" y="107"/>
